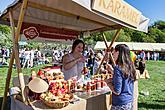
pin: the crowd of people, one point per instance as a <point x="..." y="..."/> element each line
<point x="149" y="55"/>
<point x="30" y="57"/>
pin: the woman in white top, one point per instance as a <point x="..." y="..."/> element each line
<point x="27" y="58"/>
<point x="73" y="62"/>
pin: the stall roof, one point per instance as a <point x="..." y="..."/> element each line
<point x="78" y="15"/>
<point x="100" y="45"/>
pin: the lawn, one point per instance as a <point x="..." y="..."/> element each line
<point x="3" y="75"/>
<point x="155" y="85"/>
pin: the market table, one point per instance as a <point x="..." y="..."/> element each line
<point x="95" y="100"/>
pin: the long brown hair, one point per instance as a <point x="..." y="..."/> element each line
<point x="125" y="62"/>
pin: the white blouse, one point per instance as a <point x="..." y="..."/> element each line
<point x="74" y="71"/>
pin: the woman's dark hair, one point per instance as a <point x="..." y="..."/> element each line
<point x="125" y="62"/>
<point x="76" y="42"/>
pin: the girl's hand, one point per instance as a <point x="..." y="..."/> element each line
<point x="81" y="59"/>
<point x="108" y="81"/>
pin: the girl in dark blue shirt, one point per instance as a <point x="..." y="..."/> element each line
<point x="123" y="79"/>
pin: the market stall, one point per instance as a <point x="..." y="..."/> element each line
<point x="66" y="20"/>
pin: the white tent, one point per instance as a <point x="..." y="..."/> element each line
<point x="142" y="46"/>
<point x="158" y="46"/>
<point x="100" y="45"/>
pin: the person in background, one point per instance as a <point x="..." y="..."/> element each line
<point x="122" y="83"/>
<point x="142" y="55"/>
<point x="3" y="51"/>
<point x="142" y="66"/>
<point x="31" y="57"/>
<point x="73" y="62"/>
<point x="27" y="58"/>
<point x="55" y="59"/>
<point x="39" y="56"/>
<point x="148" y="55"/>
<point x="21" y="56"/>
<point x="7" y="55"/>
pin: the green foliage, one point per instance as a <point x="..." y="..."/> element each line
<point x="123" y="37"/>
<point x="4" y="29"/>
<point x="93" y="38"/>
<point x="149" y="39"/>
<point x="158" y="35"/>
<point x="160" y="25"/>
<point x="5" y="36"/>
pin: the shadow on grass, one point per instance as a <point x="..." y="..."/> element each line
<point x="151" y="106"/>
<point x="7" y="105"/>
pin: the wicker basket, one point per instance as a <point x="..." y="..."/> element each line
<point x="56" y="104"/>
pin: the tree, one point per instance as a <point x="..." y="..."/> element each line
<point x="123" y="37"/>
<point x="158" y="31"/>
<point x="159" y="25"/>
<point x="5" y="36"/>
<point x="148" y="38"/>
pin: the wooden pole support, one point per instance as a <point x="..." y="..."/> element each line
<point x="11" y="60"/>
<point x="105" y="40"/>
<point x="8" y="80"/>
<point x="109" y="52"/>
<point x="16" y="55"/>
<point x="114" y="38"/>
<point x="17" y="38"/>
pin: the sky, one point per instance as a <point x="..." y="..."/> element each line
<point x="4" y="3"/>
<point x="152" y="9"/>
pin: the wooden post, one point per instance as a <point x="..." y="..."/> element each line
<point x="17" y="37"/>
<point x="15" y="53"/>
<point x="11" y="61"/>
<point x="8" y="80"/>
<point x="105" y="40"/>
<point x="114" y="38"/>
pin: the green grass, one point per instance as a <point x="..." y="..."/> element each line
<point x="3" y="75"/>
<point x="155" y="85"/>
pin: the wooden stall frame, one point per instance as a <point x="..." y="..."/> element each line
<point x="15" y="54"/>
<point x="16" y="38"/>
